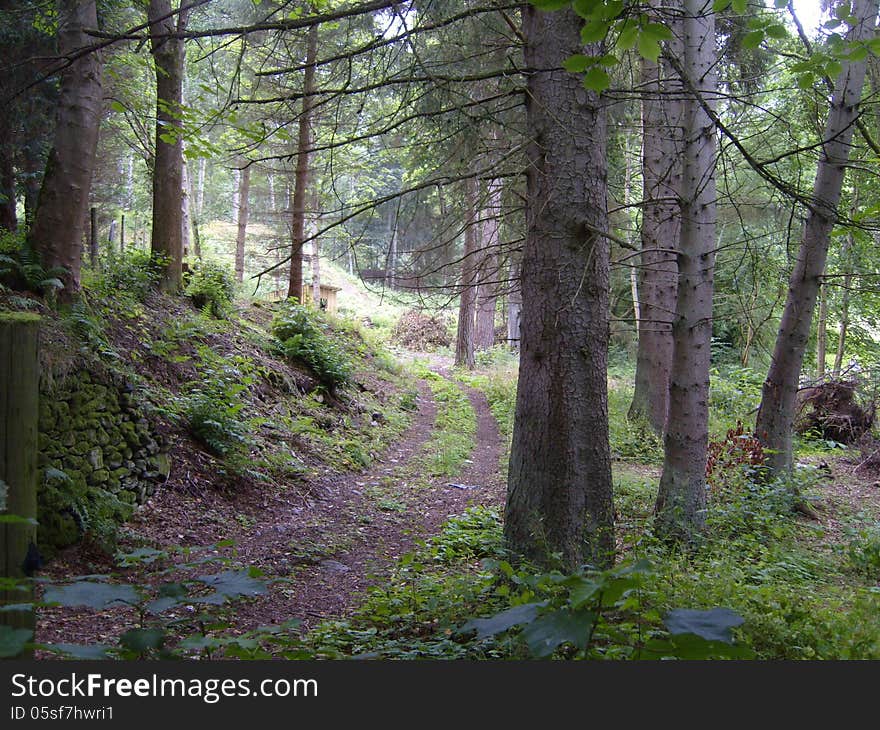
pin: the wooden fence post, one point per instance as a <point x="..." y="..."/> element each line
<point x="19" y="400"/>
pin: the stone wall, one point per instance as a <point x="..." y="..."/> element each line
<point x="99" y="458"/>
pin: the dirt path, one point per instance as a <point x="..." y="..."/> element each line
<point x="330" y="541"/>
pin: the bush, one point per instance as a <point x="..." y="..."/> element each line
<point x="135" y="273"/>
<point x="211" y="286"/>
<point x="301" y="336"/>
<point x="22" y="270"/>
<point x="212" y="409"/>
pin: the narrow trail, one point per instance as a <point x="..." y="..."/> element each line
<point x="330" y="541"/>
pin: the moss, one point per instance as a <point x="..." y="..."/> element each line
<point x="19" y="318"/>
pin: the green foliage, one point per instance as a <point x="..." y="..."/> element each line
<point x="133" y="273"/>
<point x="302" y="335"/>
<point x="213" y="408"/>
<point x="211" y="286"/>
<point x="863" y="551"/>
<point x="22" y="270"/>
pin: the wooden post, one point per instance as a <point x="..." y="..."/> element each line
<point x="19" y="399"/>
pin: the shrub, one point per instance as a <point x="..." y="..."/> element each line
<point x="211" y="287"/>
<point x="213" y="406"/>
<point x="22" y="270"/>
<point x="301" y="336"/>
<point x="135" y="273"/>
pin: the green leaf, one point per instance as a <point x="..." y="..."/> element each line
<point x="648" y="48"/>
<point x="593" y="32"/>
<point x="139" y="556"/>
<point x="13" y="641"/>
<point x="719" y="6"/>
<point x="501" y="622"/>
<point x="90" y="594"/>
<point x="596" y="79"/>
<point x="713" y="625"/>
<point x="230" y="584"/>
<point x="585" y="8"/>
<point x="657" y="31"/>
<point x="740" y="6"/>
<point x="629" y="35"/>
<point x="141" y="640"/>
<point x="79" y="651"/>
<point x="578" y="63"/>
<point x="806" y="81"/>
<point x="753" y="39"/>
<point x="548" y="632"/>
<point x="117" y="107"/>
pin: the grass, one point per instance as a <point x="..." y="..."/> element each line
<point x="455" y="427"/>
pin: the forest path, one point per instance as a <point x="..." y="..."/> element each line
<point x="329" y="540"/>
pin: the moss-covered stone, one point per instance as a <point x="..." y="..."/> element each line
<point x="99" y="476"/>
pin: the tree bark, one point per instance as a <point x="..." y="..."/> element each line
<point x="93" y="237"/>
<point x="514" y="306"/>
<point x="301" y="178"/>
<point x="487" y="287"/>
<point x="661" y="225"/>
<point x="778" y="397"/>
<point x="19" y="400"/>
<point x="244" y="184"/>
<point x="821" y="332"/>
<point x="844" y="308"/>
<point x="57" y="231"/>
<point x="559" y="495"/>
<point x="168" y="56"/>
<point x="8" y="218"/>
<point x="464" y="340"/>
<point x="681" y="499"/>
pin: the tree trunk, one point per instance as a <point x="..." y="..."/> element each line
<point x="168" y="56"/>
<point x="514" y="306"/>
<point x="244" y="184"/>
<point x="844" y="307"/>
<point x="661" y="224"/>
<point x="8" y="218"/>
<point x="487" y="288"/>
<point x="821" y="332"/>
<point x="93" y="237"/>
<point x="200" y="188"/>
<point x="316" y="250"/>
<point x="559" y="496"/>
<point x="464" y="340"/>
<point x="19" y="400"/>
<point x="57" y="231"/>
<point x="778" y="398"/>
<point x="681" y="499"/>
<point x="301" y="179"/>
<point x="184" y="210"/>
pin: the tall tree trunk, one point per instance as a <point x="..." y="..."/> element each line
<point x="464" y="340"/>
<point x="487" y="288"/>
<point x="168" y="56"/>
<point x="301" y="179"/>
<point x="244" y="184"/>
<point x="681" y="499"/>
<point x="821" y="332"/>
<point x="559" y="494"/>
<point x="61" y="211"/>
<point x="844" y="307"/>
<point x="778" y="397"/>
<point x="8" y="218"/>
<point x="314" y="226"/>
<point x="514" y="305"/>
<point x="93" y="237"/>
<point x="184" y="210"/>
<point x="661" y="224"/>
<point x="200" y="188"/>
